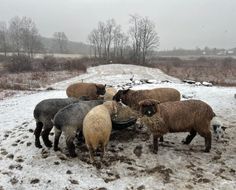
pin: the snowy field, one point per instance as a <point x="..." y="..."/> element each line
<point x="129" y="162"/>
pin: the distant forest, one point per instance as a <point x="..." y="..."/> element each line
<point x="50" y="46"/>
<point x="107" y="41"/>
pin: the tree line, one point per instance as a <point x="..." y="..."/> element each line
<point x="108" y="41"/>
<point x="21" y="36"/>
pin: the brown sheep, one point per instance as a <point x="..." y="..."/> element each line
<point x="132" y="97"/>
<point x="91" y="90"/>
<point x="97" y="127"/>
<point x="192" y="116"/>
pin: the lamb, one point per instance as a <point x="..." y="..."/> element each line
<point x="97" y="127"/>
<point x="132" y="98"/>
<point x="192" y="116"/>
<point x="70" y="121"/>
<point x="218" y="128"/>
<point x="44" y="112"/>
<point x="91" y="90"/>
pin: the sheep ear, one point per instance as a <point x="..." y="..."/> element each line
<point x="125" y="91"/>
<point x="97" y="86"/>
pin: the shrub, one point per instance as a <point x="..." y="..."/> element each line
<point x="19" y="64"/>
<point x="49" y="63"/>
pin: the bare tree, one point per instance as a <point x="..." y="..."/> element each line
<point x="93" y="44"/>
<point x="102" y="41"/>
<point x="15" y="34"/>
<point x="149" y="37"/>
<point x="110" y="30"/>
<point x="3" y="38"/>
<point x="30" y="37"/>
<point x="144" y="37"/>
<point x="61" y="40"/>
<point x="135" y="34"/>
<point x="95" y="40"/>
<point x="102" y="38"/>
<point x="120" y="42"/>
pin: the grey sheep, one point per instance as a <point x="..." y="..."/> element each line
<point x="70" y="121"/>
<point x="44" y="112"/>
<point x="192" y="116"/>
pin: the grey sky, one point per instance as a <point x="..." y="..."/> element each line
<point x="180" y="23"/>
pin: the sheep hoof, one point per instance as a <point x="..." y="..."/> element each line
<point x="207" y="150"/>
<point x="48" y="144"/>
<point x="38" y="145"/>
<point x="73" y="155"/>
<point x="57" y="149"/>
<point x="154" y="151"/>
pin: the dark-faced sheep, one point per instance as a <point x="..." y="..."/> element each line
<point x="97" y="127"/>
<point x="91" y="90"/>
<point x="132" y="97"/>
<point x="44" y="112"/>
<point x="70" y="121"/>
<point x="192" y="116"/>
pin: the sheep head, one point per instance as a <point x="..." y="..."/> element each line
<point x="111" y="106"/>
<point x="101" y="89"/>
<point x="121" y="95"/>
<point x="148" y="107"/>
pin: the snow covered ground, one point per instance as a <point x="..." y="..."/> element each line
<point x="129" y="162"/>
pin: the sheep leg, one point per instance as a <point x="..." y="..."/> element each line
<point x="37" y="132"/>
<point x="155" y="144"/>
<point x="45" y="135"/>
<point x="56" y="139"/>
<point x="207" y="142"/>
<point x="190" y="137"/>
<point x="91" y="154"/>
<point x="102" y="152"/>
<point x="71" y="146"/>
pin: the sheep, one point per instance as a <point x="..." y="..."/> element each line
<point x="70" y="120"/>
<point x="192" y="116"/>
<point x="97" y="127"/>
<point x="218" y="128"/>
<point x="92" y="90"/>
<point x="110" y="92"/>
<point x="44" y="112"/>
<point x="132" y="98"/>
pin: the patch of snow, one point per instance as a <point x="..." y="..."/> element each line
<point x="176" y="166"/>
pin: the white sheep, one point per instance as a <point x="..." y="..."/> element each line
<point x="97" y="127"/>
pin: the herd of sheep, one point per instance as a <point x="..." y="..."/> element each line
<point x="91" y="111"/>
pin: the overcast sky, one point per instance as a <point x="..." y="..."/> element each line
<point x="179" y="23"/>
